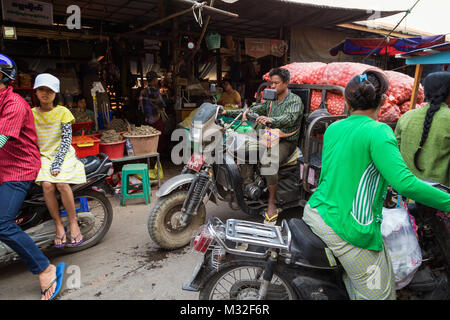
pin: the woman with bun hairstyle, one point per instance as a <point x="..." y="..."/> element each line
<point x="360" y="158"/>
<point x="423" y="134"/>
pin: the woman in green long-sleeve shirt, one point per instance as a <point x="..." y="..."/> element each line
<point x="360" y="158"/>
<point x="424" y="134"/>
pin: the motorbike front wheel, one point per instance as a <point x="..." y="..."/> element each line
<point x="165" y="218"/>
<point x="242" y="282"/>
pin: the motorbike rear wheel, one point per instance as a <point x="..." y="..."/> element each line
<point x="242" y="282"/>
<point x="102" y="210"/>
<point x="164" y="218"/>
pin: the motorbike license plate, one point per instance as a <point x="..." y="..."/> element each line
<point x="196" y="162"/>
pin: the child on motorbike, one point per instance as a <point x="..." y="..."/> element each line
<point x="59" y="164"/>
<point x="360" y="158"/>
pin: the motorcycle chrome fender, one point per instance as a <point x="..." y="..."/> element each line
<point x="174" y="183"/>
<point x="178" y="181"/>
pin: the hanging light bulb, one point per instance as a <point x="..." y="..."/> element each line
<point x="229" y="1"/>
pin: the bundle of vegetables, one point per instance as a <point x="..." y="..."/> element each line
<point x="109" y="136"/>
<point x="401" y="86"/>
<point x="389" y="113"/>
<point x="335" y="102"/>
<point x="405" y="107"/>
<point x="303" y="72"/>
<point x="118" y="124"/>
<point x="143" y="131"/>
<point x="340" y="73"/>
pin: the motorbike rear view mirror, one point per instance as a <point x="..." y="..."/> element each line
<point x="270" y="94"/>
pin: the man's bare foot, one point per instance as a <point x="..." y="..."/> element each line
<point x="45" y="279"/>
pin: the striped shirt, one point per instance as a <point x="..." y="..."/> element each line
<point x="360" y="158"/>
<point x="19" y="157"/>
<point x="286" y="115"/>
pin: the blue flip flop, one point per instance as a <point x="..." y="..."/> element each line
<point x="59" y="278"/>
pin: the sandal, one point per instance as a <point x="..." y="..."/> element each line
<point x="74" y="244"/>
<point x="59" y="277"/>
<point x="272" y="220"/>
<point x="63" y="243"/>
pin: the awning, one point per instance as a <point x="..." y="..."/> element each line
<point x="438" y="54"/>
<point x="392" y="47"/>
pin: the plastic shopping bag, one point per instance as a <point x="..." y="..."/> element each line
<point x="401" y="243"/>
<point x="153" y="173"/>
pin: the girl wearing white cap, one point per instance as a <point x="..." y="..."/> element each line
<point x="59" y="164"/>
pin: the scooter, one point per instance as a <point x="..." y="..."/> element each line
<point x="242" y="260"/>
<point x="93" y="209"/>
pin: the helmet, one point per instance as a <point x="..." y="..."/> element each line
<point x="8" y="68"/>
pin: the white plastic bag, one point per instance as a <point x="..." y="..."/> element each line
<point x="402" y="245"/>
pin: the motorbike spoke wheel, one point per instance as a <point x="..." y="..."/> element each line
<point x="164" y="223"/>
<point x="93" y="230"/>
<point x="243" y="283"/>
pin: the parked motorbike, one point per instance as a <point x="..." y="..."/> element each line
<point x="243" y="260"/>
<point x="180" y="207"/>
<point x="94" y="211"/>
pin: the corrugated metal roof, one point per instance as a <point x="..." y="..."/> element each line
<point x="257" y="18"/>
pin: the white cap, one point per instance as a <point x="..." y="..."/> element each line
<point x="47" y="80"/>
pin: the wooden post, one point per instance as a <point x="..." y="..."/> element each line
<point x="415" y="90"/>
<point x="218" y="65"/>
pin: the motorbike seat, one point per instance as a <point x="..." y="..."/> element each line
<point x="91" y="163"/>
<point x="307" y="246"/>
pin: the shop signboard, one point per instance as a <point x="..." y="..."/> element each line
<point x="28" y="11"/>
<point x="257" y="48"/>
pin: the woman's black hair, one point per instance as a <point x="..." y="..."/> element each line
<point x="365" y="91"/>
<point x="437" y="89"/>
<point x="284" y="74"/>
<point x="78" y="98"/>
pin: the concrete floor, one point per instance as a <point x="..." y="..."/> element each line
<point x="126" y="264"/>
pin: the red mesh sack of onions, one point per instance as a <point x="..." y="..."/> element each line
<point x="335" y="102"/>
<point x="401" y="86"/>
<point x="404" y="107"/>
<point x="302" y="72"/>
<point x="340" y="73"/>
<point x="389" y="113"/>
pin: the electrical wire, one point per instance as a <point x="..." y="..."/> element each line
<point x="386" y="37"/>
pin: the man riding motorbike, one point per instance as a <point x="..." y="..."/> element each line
<point x="19" y="166"/>
<point x="284" y="114"/>
<point x="360" y="158"/>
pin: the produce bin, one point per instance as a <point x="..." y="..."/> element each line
<point x="85" y="146"/>
<point x="114" y="150"/>
<point x="143" y="144"/>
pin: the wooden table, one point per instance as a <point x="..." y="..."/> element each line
<point x="143" y="156"/>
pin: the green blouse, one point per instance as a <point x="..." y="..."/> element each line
<point x="360" y="158"/>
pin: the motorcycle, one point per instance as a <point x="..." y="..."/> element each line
<point x="93" y="209"/>
<point x="243" y="260"/>
<point x="180" y="208"/>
